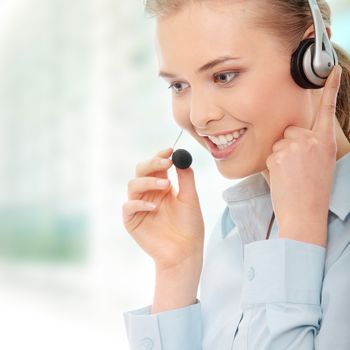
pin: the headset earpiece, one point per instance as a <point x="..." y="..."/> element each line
<point x="301" y="62"/>
<point x="302" y="69"/>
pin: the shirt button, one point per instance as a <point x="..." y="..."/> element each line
<point x="251" y="273"/>
<point x="147" y="343"/>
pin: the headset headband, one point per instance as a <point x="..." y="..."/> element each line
<point x="323" y="59"/>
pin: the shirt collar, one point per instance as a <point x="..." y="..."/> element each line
<point x="252" y="196"/>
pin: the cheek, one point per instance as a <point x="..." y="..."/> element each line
<point x="181" y="114"/>
<point x="274" y="104"/>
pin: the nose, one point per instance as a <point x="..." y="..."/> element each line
<point x="203" y="109"/>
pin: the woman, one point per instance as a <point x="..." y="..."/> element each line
<point x="265" y="283"/>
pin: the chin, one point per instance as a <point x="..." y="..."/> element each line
<point x="238" y="172"/>
<point x="232" y="172"/>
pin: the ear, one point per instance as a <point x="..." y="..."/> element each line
<point x="310" y="33"/>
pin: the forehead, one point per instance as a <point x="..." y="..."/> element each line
<point x="203" y="29"/>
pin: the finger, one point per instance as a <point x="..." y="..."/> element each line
<point x="187" y="185"/>
<point x="269" y="161"/>
<point x="165" y="153"/>
<point x="130" y="208"/>
<point x="296" y="132"/>
<point x="274" y="159"/>
<point x="143" y="184"/>
<point x="324" y="121"/>
<point x="281" y="144"/>
<point x="158" y="163"/>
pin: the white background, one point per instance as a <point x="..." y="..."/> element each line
<point x="80" y="105"/>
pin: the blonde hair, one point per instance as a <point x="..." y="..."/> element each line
<point x="287" y="21"/>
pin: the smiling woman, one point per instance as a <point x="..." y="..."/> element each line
<point x="260" y="86"/>
<point x="249" y="80"/>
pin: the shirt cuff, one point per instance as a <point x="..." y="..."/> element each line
<point x="173" y="329"/>
<point x="282" y="270"/>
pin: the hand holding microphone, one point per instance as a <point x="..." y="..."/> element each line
<point x="172" y="232"/>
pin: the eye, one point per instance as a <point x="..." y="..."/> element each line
<point x="221" y="77"/>
<point x="175" y="87"/>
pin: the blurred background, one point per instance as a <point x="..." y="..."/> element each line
<point x="80" y="105"/>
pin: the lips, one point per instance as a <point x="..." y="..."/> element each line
<point x="223" y="154"/>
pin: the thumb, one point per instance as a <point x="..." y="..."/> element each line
<point x="187" y="185"/>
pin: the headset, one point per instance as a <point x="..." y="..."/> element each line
<point x="314" y="59"/>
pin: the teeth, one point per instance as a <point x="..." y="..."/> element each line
<point x="229" y="137"/>
<point x="222" y="139"/>
<point x="221" y="147"/>
<point x="236" y="134"/>
<point x="225" y="139"/>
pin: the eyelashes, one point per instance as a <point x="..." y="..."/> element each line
<point x="225" y="73"/>
<point x="173" y="87"/>
<point x="177" y="85"/>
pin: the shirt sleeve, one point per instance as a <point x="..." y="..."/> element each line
<point x="281" y="295"/>
<point x="334" y="332"/>
<point x="168" y="330"/>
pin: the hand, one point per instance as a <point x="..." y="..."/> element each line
<point x="172" y="233"/>
<point x="301" y="170"/>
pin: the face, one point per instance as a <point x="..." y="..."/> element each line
<point x="255" y="91"/>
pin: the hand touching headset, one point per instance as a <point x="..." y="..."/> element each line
<point x="302" y="165"/>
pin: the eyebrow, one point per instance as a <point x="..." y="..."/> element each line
<point x="205" y="67"/>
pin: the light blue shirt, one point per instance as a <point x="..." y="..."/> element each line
<point x="258" y="294"/>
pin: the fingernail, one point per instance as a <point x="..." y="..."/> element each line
<point x="165" y="150"/>
<point x="338" y="69"/>
<point x="150" y="205"/>
<point x="164" y="161"/>
<point x="162" y="182"/>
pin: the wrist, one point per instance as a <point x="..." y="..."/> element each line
<point x="177" y="287"/>
<point x="311" y="235"/>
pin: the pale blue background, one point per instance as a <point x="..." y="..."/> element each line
<point x="80" y="105"/>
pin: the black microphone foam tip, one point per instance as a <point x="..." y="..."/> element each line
<point x="181" y="159"/>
